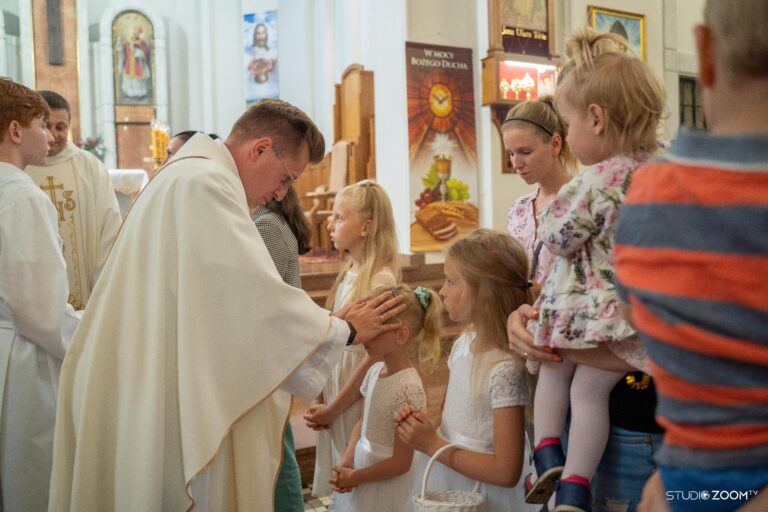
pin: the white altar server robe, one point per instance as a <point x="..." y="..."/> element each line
<point x="89" y="218"/>
<point x="175" y="392"/>
<point x="33" y="311"/>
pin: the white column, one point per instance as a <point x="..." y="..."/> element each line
<point x="26" y="44"/>
<point x="3" y="50"/>
<point x="324" y="67"/>
<point x="84" y="71"/>
<point x="386" y="28"/>
<point x="486" y="164"/>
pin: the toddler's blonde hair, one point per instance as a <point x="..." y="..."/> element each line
<point x="631" y="95"/>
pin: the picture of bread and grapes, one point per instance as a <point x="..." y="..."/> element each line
<point x="442" y="206"/>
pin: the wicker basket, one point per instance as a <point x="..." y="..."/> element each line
<point x="447" y="501"/>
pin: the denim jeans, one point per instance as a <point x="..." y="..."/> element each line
<point x="625" y="467"/>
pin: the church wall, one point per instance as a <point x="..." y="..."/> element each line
<point x="320" y="38"/>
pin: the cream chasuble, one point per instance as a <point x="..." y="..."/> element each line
<point x="35" y="325"/>
<point x="175" y="382"/>
<point x="88" y="214"/>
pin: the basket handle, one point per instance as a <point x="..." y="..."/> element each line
<point x="432" y="460"/>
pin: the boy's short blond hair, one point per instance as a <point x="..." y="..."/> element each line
<point x="738" y="27"/>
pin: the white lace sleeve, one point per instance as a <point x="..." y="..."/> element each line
<point x="413" y="395"/>
<point x="508" y="385"/>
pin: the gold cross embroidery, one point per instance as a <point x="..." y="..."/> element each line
<point x="68" y="203"/>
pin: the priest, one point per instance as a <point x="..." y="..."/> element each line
<point x="176" y="389"/>
<point x="35" y="320"/>
<point x="79" y="187"/>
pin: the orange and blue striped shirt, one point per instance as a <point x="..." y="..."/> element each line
<point x="692" y="260"/>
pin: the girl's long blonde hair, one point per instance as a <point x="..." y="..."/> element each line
<point x="368" y="199"/>
<point x="633" y="98"/>
<point x="495" y="268"/>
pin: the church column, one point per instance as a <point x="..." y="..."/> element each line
<point x="386" y="29"/>
<point x="3" y="51"/>
<point x="55" y="50"/>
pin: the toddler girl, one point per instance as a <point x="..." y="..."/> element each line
<point x="612" y="103"/>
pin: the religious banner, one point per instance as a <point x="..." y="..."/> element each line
<point x="133" y="40"/>
<point x="260" y="51"/>
<point x="442" y="144"/>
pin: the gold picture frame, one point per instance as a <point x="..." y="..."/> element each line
<point x="628" y="25"/>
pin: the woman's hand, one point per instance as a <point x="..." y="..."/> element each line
<point x="521" y="341"/>
<point x="369" y="317"/>
<point x="415" y="430"/>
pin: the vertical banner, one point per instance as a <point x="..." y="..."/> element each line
<point x="442" y="144"/>
<point x="260" y="49"/>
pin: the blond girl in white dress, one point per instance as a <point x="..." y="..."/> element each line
<point x="486" y="278"/>
<point x="362" y="227"/>
<point x="375" y="473"/>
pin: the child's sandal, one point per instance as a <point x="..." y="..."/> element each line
<point x="573" y="495"/>
<point x="549" y="461"/>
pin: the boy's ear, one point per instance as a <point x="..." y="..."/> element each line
<point x="14" y="131"/>
<point x="597" y="118"/>
<point x="706" y="55"/>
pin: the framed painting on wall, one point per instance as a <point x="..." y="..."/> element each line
<point x="630" y="26"/>
<point x="133" y="42"/>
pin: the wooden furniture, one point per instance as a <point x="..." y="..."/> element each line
<point x="352" y="156"/>
<point x="353" y="116"/>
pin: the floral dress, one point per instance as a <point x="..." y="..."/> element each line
<point x="579" y="306"/>
<point x="522" y="224"/>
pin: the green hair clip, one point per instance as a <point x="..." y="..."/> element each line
<point x="423" y="295"/>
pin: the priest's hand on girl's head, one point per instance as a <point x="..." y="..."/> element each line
<point x="370" y="318"/>
<point x="342" y="313"/>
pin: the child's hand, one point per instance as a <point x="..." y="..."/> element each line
<point x="403" y="412"/>
<point x="416" y="431"/>
<point x="334" y="483"/>
<point x="321" y="415"/>
<point x="343" y="478"/>
<point x="311" y="421"/>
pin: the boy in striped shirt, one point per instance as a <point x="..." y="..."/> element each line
<point x="692" y="263"/>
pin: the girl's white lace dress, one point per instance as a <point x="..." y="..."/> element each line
<point x="383" y="396"/>
<point x="468" y="420"/>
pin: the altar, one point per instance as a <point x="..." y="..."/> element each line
<point x="128" y="183"/>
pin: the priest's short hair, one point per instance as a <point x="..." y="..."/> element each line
<point x="287" y="126"/>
